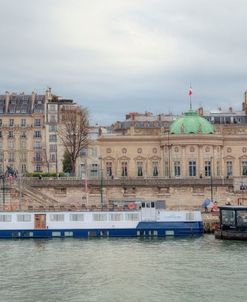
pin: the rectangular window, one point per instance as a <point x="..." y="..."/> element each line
<point x="56" y="217"/>
<point x="94" y="152"/>
<point x="52" y="118"/>
<point x="23" y="217"/>
<point x="76" y="217"/>
<point x="11" y="144"/>
<point x="23" y="122"/>
<point x="229" y="168"/>
<point x="108" y="168"/>
<point x="1" y="134"/>
<point x="37" y="157"/>
<point x="207" y="168"/>
<point x="53" y="148"/>
<point x="244" y="168"/>
<point x="52" y="107"/>
<point x="11" y="156"/>
<point x="5" y="218"/>
<point x="11" y="134"/>
<point x="23" y="168"/>
<point x="192" y="168"/>
<point x="132" y="216"/>
<point x="100" y="217"/>
<point x="52" y="138"/>
<point x="37" y="145"/>
<point x="11" y="122"/>
<point x="116" y="216"/>
<point x="124" y="168"/>
<point x="139" y="166"/>
<point x="155" y="168"/>
<point x="52" y="128"/>
<point x="23" y="156"/>
<point x="190" y="216"/>
<point x="177" y="168"/>
<point x="94" y="170"/>
<point x="23" y="134"/>
<point x="68" y="234"/>
<point x="38" y="168"/>
<point x="56" y="234"/>
<point x="37" y="133"/>
<point x="37" y="122"/>
<point x="52" y="157"/>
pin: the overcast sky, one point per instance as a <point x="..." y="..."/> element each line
<point x="119" y="56"/>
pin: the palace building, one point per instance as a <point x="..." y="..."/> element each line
<point x="190" y="146"/>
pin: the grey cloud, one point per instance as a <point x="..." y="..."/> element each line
<point x="134" y="55"/>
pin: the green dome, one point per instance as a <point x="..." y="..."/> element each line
<point x="191" y="123"/>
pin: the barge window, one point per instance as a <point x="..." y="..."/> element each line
<point x="76" y="217"/>
<point x="242" y="218"/>
<point x="56" y="234"/>
<point x="56" y="217"/>
<point x="116" y="216"/>
<point x="169" y="233"/>
<point x="132" y="216"/>
<point x="23" y="217"/>
<point x="228" y="217"/>
<point x="27" y="234"/>
<point x="5" y="218"/>
<point x="190" y="216"/>
<point x="68" y="234"/>
<point x="99" y="216"/>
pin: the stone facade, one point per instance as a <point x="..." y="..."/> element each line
<point x="29" y="140"/>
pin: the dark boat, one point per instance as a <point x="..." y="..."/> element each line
<point x="233" y="223"/>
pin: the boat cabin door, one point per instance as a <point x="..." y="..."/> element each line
<point x="40" y="221"/>
<point x="148" y="211"/>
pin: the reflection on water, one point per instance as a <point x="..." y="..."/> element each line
<point x="192" y="269"/>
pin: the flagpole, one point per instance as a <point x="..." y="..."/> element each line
<point x="190" y="94"/>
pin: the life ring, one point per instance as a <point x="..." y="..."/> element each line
<point x="131" y="206"/>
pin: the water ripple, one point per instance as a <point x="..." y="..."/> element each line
<point x="201" y="269"/>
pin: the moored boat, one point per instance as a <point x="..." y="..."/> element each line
<point x="145" y="219"/>
<point x="233" y="223"/>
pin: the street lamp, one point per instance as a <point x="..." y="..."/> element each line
<point x="101" y="181"/>
<point x="3" y="188"/>
<point x="3" y="181"/>
<point x="211" y="178"/>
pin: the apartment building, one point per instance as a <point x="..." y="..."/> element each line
<point x="29" y="139"/>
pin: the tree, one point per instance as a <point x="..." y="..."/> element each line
<point x="73" y="132"/>
<point x="67" y="167"/>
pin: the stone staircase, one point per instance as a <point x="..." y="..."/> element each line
<point x="34" y="197"/>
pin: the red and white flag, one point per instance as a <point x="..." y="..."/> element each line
<point x="190" y="92"/>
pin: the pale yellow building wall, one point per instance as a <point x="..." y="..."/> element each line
<point x="217" y="148"/>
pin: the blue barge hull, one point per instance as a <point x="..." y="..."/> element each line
<point x="142" y="230"/>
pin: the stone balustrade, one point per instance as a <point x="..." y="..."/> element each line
<point x="126" y="182"/>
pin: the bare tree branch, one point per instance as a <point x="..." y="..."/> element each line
<point x="73" y="131"/>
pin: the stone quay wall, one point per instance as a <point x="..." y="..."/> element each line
<point x="176" y="193"/>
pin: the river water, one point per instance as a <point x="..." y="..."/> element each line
<point x="73" y="270"/>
